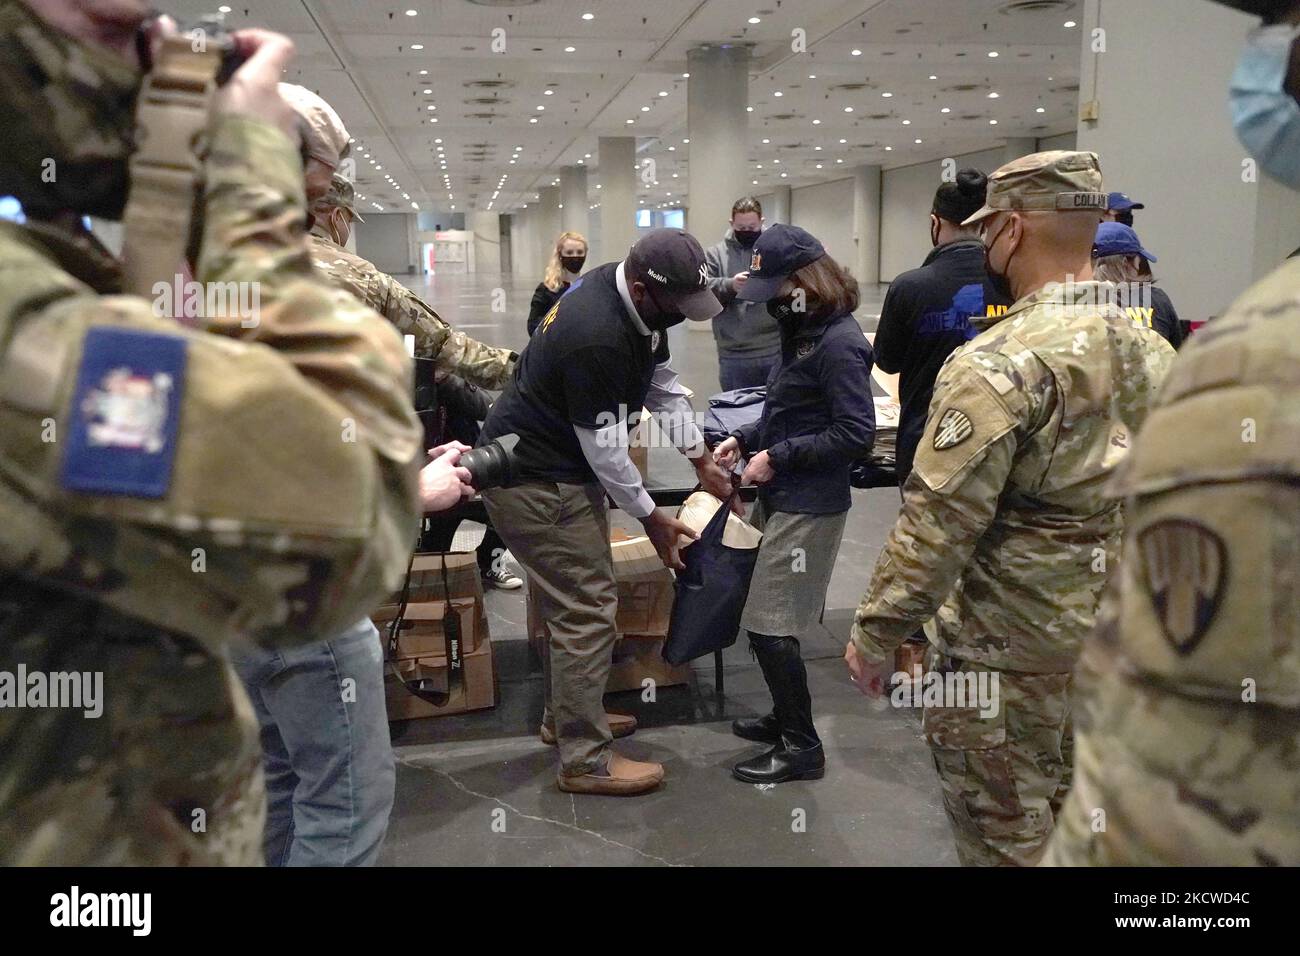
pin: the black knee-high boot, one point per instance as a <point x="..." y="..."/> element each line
<point x="798" y="753"/>
<point x="765" y="729"/>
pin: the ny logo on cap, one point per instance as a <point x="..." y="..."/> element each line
<point x="704" y="276"/>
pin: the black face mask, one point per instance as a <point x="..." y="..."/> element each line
<point x="746" y="237"/>
<point x="572" y="263"/>
<point x="781" y="308"/>
<point x="661" y="319"/>
<point x="1000" y="281"/>
<point x="1125" y="217"/>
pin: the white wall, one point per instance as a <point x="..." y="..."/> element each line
<point x="907" y="196"/>
<point x="826" y="210"/>
<point x="1166" y="139"/>
<point x="388" y="240"/>
<point x="1061" y="141"/>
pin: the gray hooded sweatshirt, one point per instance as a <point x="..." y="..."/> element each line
<point x="741" y="329"/>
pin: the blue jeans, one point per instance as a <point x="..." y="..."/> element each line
<point x="330" y="772"/>
<point x="743" y="371"/>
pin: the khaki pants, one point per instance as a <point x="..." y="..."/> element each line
<point x="560" y="534"/>
<point x="1006" y="775"/>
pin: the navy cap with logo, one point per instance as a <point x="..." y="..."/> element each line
<point x="1118" y="202"/>
<point x="672" y="261"/>
<point x="780" y="250"/>
<point x="1117" y="239"/>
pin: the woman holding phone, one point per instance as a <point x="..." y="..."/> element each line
<point x="818" y="417"/>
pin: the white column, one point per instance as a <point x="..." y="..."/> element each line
<point x="573" y="194"/>
<point x="505" y="229"/>
<point x="780" y="207"/>
<point x="718" y="126"/>
<point x="617" y="196"/>
<point x="1165" y="138"/>
<point x="548" y="223"/>
<point x="523" y="243"/>
<point x="866" y="226"/>
<point x="486" y="227"/>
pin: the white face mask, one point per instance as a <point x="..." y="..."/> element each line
<point x="1266" y="116"/>
<point x="342" y="231"/>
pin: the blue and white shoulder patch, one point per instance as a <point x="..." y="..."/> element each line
<point x="125" y="413"/>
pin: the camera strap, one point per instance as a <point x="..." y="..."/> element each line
<point x="451" y="642"/>
<point x="171" y="120"/>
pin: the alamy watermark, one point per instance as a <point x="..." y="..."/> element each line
<point x="1133" y="299"/>
<point x="670" y="425"/>
<point x="74" y="908"/>
<point x="76" y="690"/>
<point x="960" y="689"/>
<point x="188" y="299"/>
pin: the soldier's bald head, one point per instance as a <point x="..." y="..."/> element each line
<point x="1072" y="232"/>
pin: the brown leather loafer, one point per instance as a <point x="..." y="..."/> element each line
<point x="620" y="778"/>
<point x="620" y="725"/>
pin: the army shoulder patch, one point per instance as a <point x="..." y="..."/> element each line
<point x="1185" y="566"/>
<point x="954" y="428"/>
<point x="125" y="413"/>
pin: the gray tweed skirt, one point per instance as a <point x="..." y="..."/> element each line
<point x="795" y="561"/>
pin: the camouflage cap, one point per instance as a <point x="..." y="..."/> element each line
<point x="1057" y="181"/>
<point x="323" y="132"/>
<point x="341" y="194"/>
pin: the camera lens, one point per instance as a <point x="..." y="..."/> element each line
<point x="490" y="465"/>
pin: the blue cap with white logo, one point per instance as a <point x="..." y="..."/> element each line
<point x="779" y="251"/>
<point x="1117" y="239"/>
<point x="1118" y="202"/>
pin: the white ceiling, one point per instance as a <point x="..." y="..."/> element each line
<point x="359" y="56"/>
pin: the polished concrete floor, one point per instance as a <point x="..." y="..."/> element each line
<point x="479" y="789"/>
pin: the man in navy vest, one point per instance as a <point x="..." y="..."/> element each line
<point x="596" y="360"/>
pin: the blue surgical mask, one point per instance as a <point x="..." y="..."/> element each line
<point x="1266" y="116"/>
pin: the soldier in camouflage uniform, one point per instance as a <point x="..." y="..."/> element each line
<point x="1005" y="533"/>
<point x="152" y="476"/>
<point x="1189" y="739"/>
<point x="451" y="351"/>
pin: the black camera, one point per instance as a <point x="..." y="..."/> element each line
<point x="491" y="465"/>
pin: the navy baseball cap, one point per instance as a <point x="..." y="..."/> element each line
<point x="779" y="251"/>
<point x="674" y="261"/>
<point x="1117" y="239"/>
<point x="1118" y="202"/>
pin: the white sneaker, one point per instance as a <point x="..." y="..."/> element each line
<point x="502" y="579"/>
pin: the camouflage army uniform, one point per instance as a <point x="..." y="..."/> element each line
<point x="1189" y="742"/>
<point x="107" y="581"/>
<point x="1006" y="535"/>
<point x="452" y="351"/>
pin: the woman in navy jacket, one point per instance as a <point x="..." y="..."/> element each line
<point x="818" y="418"/>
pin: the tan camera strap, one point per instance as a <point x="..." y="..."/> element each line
<point x="171" y="121"/>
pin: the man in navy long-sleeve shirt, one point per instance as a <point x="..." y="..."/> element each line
<point x="928" y="311"/>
